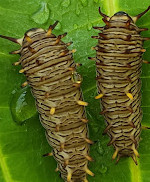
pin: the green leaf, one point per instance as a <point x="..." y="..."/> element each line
<point x="22" y="146"/>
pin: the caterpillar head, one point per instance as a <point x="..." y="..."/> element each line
<point x="30" y="33"/>
<point x="122" y="15"/>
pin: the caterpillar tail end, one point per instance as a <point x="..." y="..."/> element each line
<point x="134" y="159"/>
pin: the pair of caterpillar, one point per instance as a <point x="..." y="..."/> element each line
<point x="55" y="84"/>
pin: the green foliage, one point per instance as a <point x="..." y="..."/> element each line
<point x="22" y="139"/>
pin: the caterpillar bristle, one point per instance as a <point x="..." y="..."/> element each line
<point x="22" y="71"/>
<point x="89" y="172"/>
<point x="140" y="15"/>
<point x="103" y="15"/>
<point x="106" y="22"/>
<point x="28" y="39"/>
<point x="92" y="58"/>
<point x="56" y="170"/>
<point x="99" y="96"/>
<point x="63" y="53"/>
<point x="85" y="180"/>
<point x="103" y="112"/>
<point x="146" y="38"/>
<point x="51" y="27"/>
<point x="107" y="128"/>
<point x="135" y="151"/>
<point x="77" y="85"/>
<point x="95" y="37"/>
<point x="69" y="43"/>
<point x="103" y="35"/>
<point x="89" y="158"/>
<point x="17" y="63"/>
<point x="84" y="120"/>
<point x="32" y="50"/>
<point x="24" y="84"/>
<point x="143" y="29"/>
<point x="71" y="69"/>
<point x="78" y="64"/>
<point x="48" y="154"/>
<point x="143" y="50"/>
<point x="115" y="154"/>
<point x="134" y="159"/>
<point x="15" y="52"/>
<point x="128" y="24"/>
<point x="60" y="37"/>
<point x="18" y="41"/>
<point x="118" y="158"/>
<point x="81" y="103"/>
<point x="146" y="62"/>
<point x="73" y="50"/>
<point x="131" y="124"/>
<point x="98" y="28"/>
<point x="89" y="141"/>
<point x="111" y="141"/>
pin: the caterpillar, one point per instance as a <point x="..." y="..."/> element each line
<point x="51" y="73"/>
<point x="118" y="67"/>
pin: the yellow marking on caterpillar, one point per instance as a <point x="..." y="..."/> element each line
<point x="66" y="162"/>
<point x="129" y="95"/>
<point x="52" y="110"/>
<point x="28" y="39"/>
<point x="62" y="146"/>
<point x="69" y="177"/>
<point x="57" y="128"/>
<point x="49" y="32"/>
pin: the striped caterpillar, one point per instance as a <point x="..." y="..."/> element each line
<point x="55" y="84"/>
<point x="118" y="66"/>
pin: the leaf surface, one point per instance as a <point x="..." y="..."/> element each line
<point x="22" y="138"/>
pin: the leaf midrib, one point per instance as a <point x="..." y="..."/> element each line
<point x="5" y="170"/>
